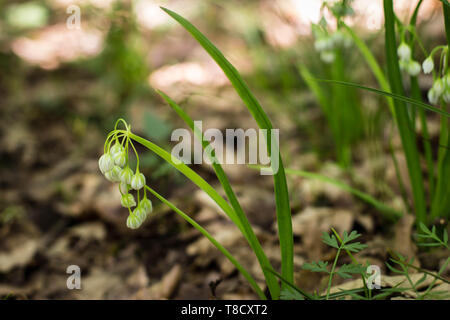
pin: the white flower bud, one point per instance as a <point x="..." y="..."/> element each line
<point x="439" y="87"/>
<point x="322" y="43"/>
<point x="404" y="51"/>
<point x="140" y="213"/>
<point x="138" y="181"/>
<point x="113" y="175"/>
<point x="348" y="41"/>
<point x="105" y="163"/>
<point x="413" y="68"/>
<point x="133" y="222"/>
<point x="116" y="148"/>
<point x="446" y="96"/>
<point x="126" y="175"/>
<point x="338" y="38"/>
<point x="432" y="96"/>
<point x="403" y="65"/>
<point x="327" y="56"/>
<point x="123" y="187"/>
<point x="120" y="159"/>
<point x="146" y="204"/>
<point x="447" y="80"/>
<point x="127" y="200"/>
<point x="428" y="65"/>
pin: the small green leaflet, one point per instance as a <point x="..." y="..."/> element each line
<point x="289" y="293"/>
<point x="346" y="270"/>
<point x="319" y="266"/>
<point x="330" y="240"/>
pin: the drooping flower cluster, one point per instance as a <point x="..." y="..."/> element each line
<point x="407" y="63"/>
<point x="115" y="166"/>
<point x="326" y="43"/>
<point x="441" y="83"/>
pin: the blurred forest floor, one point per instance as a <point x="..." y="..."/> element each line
<point x="60" y="93"/>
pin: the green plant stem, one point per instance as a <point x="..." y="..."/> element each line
<point x="363" y="276"/>
<point x="222" y="249"/>
<point x="332" y="272"/>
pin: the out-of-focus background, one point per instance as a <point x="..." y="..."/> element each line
<point x="62" y="88"/>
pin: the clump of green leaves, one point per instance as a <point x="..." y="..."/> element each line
<point x="428" y="238"/>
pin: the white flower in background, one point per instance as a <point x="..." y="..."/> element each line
<point x="439" y="87"/>
<point x="105" y="163"/>
<point x="323" y="43"/>
<point x="347" y="41"/>
<point x="127" y="200"/>
<point x="327" y="56"/>
<point x="432" y="96"/>
<point x="126" y="175"/>
<point x="403" y="65"/>
<point x="446" y="96"/>
<point x="404" y="52"/>
<point x="428" y="65"/>
<point x="138" y="181"/>
<point x="447" y="80"/>
<point x="413" y="68"/>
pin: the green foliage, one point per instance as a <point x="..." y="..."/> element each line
<point x="431" y="235"/>
<point x="280" y="185"/>
<point x="290" y="294"/>
<point x="319" y="266"/>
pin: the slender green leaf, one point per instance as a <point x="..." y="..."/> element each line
<point x="402" y="118"/>
<point x="373" y="64"/>
<point x="280" y="185"/>
<point x="395" y="96"/>
<point x="249" y="234"/>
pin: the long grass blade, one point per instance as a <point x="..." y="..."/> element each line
<point x="400" y="98"/>
<point x="280" y="185"/>
<point x="406" y="134"/>
<point x="271" y="280"/>
<point x="372" y="63"/>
